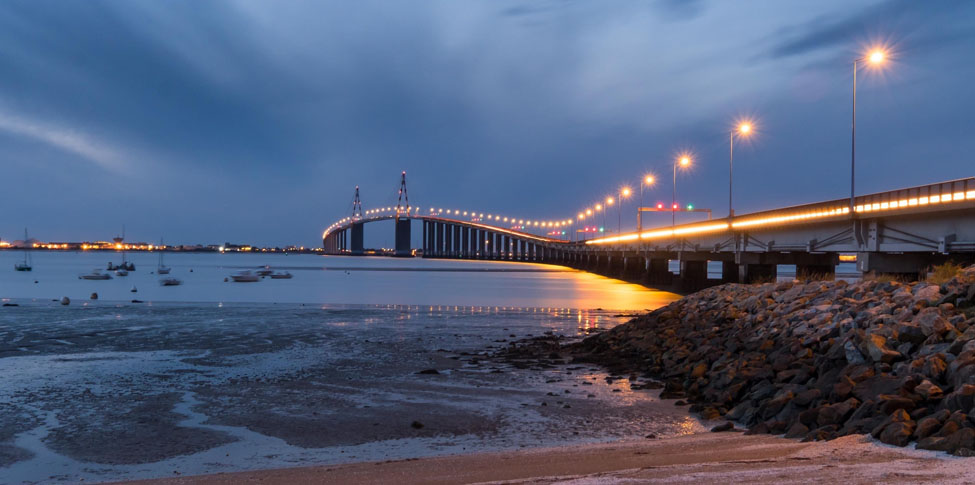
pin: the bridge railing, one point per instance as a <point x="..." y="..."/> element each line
<point x="920" y="198"/>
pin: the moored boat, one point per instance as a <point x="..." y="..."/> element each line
<point x="265" y="271"/>
<point x="26" y="265"/>
<point x="171" y="281"/>
<point x="281" y="276"/>
<point x="162" y="268"/>
<point x="96" y="275"/>
<point x="244" y="277"/>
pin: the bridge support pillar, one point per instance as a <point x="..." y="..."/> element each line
<point x="457" y="241"/>
<point x="358" y="248"/>
<point x="693" y="275"/>
<point x="496" y="251"/>
<point x="633" y="267"/>
<point x="403" y="237"/>
<point x="659" y="272"/>
<point x="614" y="264"/>
<point x="730" y="272"/>
<point x="754" y="273"/>
<point x="451" y="241"/>
<point x="479" y="243"/>
<point x="465" y="247"/>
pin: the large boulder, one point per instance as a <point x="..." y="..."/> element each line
<point x="898" y="434"/>
<point x="962" y="439"/>
<point x="930" y="321"/>
<point x="910" y="332"/>
<point x="875" y="346"/>
<point x="962" y="399"/>
<point x="927" y="294"/>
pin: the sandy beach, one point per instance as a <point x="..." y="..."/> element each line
<point x="700" y="458"/>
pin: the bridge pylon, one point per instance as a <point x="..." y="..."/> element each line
<point x="403" y="221"/>
<point x="403" y="197"/>
<point x="356" y="205"/>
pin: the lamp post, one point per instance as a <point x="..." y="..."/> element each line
<point x="595" y="217"/>
<point x="876" y="57"/>
<point x="648" y="180"/>
<point x="744" y="129"/>
<point x="624" y="192"/>
<point x="683" y="161"/>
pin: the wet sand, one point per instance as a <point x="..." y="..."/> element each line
<point x="700" y="458"/>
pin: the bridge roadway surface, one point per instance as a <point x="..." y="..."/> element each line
<point x="901" y="231"/>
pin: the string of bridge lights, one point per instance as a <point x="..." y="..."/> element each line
<point x="473" y="216"/>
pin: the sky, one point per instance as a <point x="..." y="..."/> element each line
<point x="253" y="121"/>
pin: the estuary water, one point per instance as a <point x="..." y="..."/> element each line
<point x="352" y="359"/>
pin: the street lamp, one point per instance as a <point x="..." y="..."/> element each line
<point x="682" y="161"/>
<point x="623" y="193"/>
<point x="648" y="180"/>
<point x="744" y="129"/>
<point x="875" y="58"/>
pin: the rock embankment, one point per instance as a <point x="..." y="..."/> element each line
<point x="814" y="360"/>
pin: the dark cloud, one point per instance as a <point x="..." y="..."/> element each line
<point x="251" y="120"/>
<point x="888" y="21"/>
<point x="680" y="10"/>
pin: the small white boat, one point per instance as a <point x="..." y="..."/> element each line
<point x="121" y="272"/>
<point x="265" y="271"/>
<point x="170" y="281"/>
<point x="281" y="276"/>
<point x="244" y="277"/>
<point x="96" y="275"/>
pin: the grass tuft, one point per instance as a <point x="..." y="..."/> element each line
<point x="943" y="273"/>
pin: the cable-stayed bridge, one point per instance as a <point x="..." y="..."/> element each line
<point x="902" y="231"/>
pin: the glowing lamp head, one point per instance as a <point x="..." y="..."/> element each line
<point x="744" y="128"/>
<point x="876" y="57"/>
<point x="588" y="212"/>
<point x="625" y="192"/>
<point x="684" y="161"/>
<point x="599" y="207"/>
<point x="649" y="180"/>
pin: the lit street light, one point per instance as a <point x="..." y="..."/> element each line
<point x="744" y="129"/>
<point x="648" y="181"/>
<point x="624" y="193"/>
<point x="682" y="161"/>
<point x="876" y="57"/>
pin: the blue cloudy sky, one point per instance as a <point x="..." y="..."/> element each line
<point x="253" y="120"/>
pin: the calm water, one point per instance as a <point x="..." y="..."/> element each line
<point x="214" y="376"/>
<point x="324" y="279"/>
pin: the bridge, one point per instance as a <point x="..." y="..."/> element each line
<point x="902" y="231"/>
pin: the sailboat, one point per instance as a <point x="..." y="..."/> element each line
<point x="162" y="268"/>
<point x="27" y="264"/>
